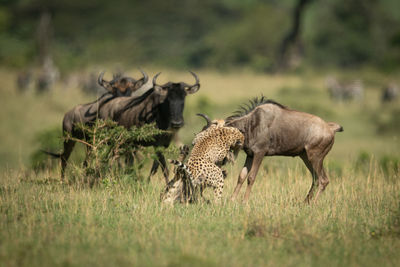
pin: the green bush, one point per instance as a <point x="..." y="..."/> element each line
<point x="110" y="144"/>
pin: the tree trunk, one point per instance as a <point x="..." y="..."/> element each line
<point x="292" y="37"/>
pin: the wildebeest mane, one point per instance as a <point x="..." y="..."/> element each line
<point x="134" y="102"/>
<point x="88" y="114"/>
<point x="249" y="107"/>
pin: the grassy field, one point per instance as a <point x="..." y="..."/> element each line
<point x="355" y="223"/>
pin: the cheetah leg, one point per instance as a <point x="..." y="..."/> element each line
<point x="218" y="184"/>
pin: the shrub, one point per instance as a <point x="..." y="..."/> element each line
<point x="109" y="143"/>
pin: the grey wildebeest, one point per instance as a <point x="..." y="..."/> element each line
<point x="88" y="113"/>
<point x="345" y="91"/>
<point x="162" y="104"/>
<point x="271" y="129"/>
<point x="390" y="93"/>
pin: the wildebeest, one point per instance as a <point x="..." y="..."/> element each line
<point x="390" y="92"/>
<point x="162" y="104"/>
<point x="48" y="75"/>
<point x="120" y="85"/>
<point x="24" y="79"/>
<point x="271" y="129"/>
<point x="88" y="113"/>
<point x="342" y="91"/>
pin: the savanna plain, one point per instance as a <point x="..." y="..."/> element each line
<point x="120" y="221"/>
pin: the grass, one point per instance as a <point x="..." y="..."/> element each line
<point x="356" y="222"/>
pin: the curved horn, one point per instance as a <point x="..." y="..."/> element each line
<point x="197" y="79"/>
<point x="100" y="79"/>
<point x="206" y="118"/>
<point x="145" y="76"/>
<point x="155" y="78"/>
<point x="106" y="85"/>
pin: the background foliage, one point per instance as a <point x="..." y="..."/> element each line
<point x="217" y="34"/>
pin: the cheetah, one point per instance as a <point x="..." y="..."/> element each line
<point x="201" y="170"/>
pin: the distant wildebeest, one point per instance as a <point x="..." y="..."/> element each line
<point x="162" y="104"/>
<point x="390" y="93"/>
<point x="88" y="113"/>
<point x="271" y="129"/>
<point x="24" y="79"/>
<point x="342" y="91"/>
<point x="48" y="75"/>
<point x="122" y="86"/>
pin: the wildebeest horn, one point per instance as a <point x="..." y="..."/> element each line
<point x="100" y="79"/>
<point x="145" y="76"/>
<point x="155" y="78"/>
<point x="206" y="118"/>
<point x="104" y="83"/>
<point x="197" y="79"/>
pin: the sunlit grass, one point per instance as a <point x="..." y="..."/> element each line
<point x="355" y="222"/>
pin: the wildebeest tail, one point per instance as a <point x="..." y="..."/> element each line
<point x="56" y="155"/>
<point x="335" y="127"/>
<point x="180" y="165"/>
<point x="183" y="167"/>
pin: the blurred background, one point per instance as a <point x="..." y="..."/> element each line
<point x="222" y="34"/>
<point x="338" y="59"/>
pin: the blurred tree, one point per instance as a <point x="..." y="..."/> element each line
<point x="292" y="38"/>
<point x="352" y="33"/>
<point x="207" y="33"/>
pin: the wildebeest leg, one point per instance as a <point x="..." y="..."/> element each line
<point x="154" y="168"/>
<point x="314" y="177"/>
<point x="156" y="163"/>
<point x="163" y="166"/>
<point x="68" y="146"/>
<point x="323" y="180"/>
<point x="316" y="158"/>
<point x="129" y="159"/>
<point x="242" y="176"/>
<point x="253" y="174"/>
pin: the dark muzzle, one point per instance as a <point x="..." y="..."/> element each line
<point x="177" y="124"/>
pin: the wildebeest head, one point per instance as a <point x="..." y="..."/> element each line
<point x="173" y="95"/>
<point x="216" y="122"/>
<point x="122" y="86"/>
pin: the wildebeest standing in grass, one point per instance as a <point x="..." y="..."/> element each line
<point x="88" y="113"/>
<point x="390" y="93"/>
<point x="345" y="91"/>
<point x="271" y="129"/>
<point x="162" y="104"/>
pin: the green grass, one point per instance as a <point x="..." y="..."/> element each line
<point x="356" y="222"/>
